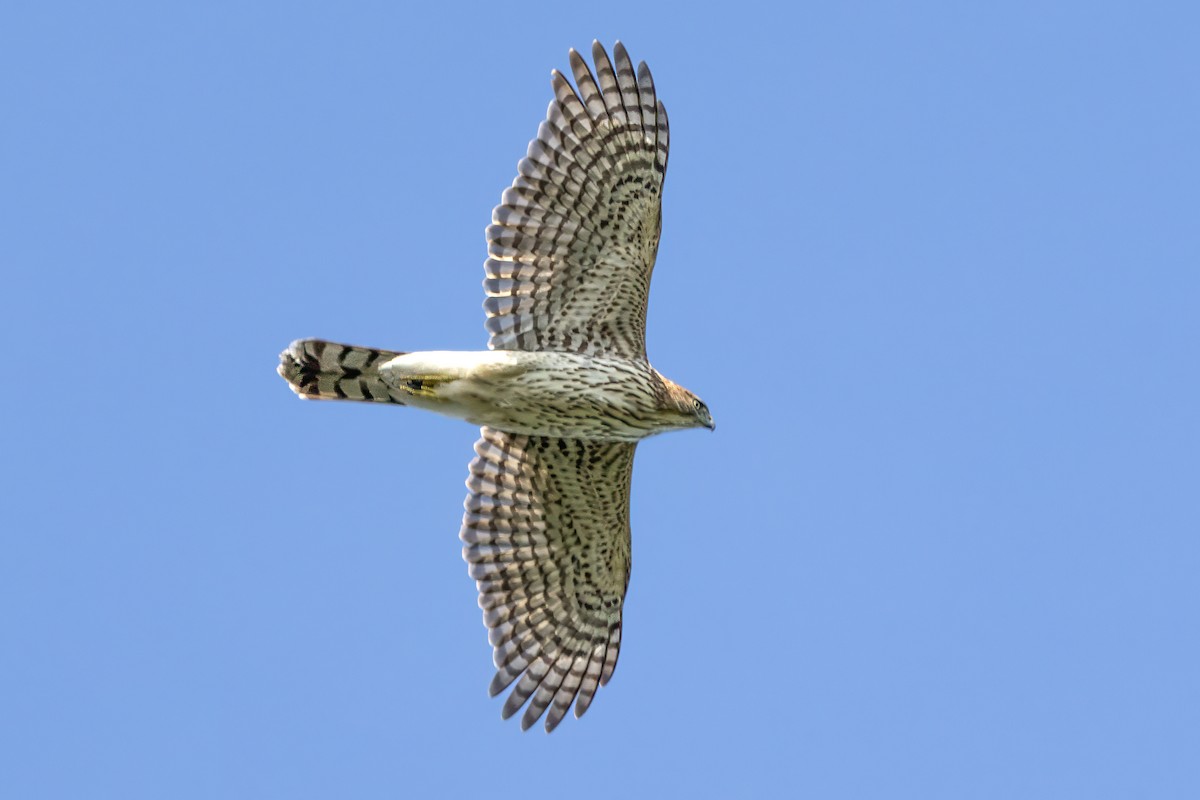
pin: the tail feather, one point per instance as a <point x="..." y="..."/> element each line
<point x="322" y="370"/>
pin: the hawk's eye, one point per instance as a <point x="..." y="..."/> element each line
<point x="699" y="405"/>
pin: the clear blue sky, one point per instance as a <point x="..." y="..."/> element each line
<point x="934" y="266"/>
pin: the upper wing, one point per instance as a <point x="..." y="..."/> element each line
<point x="574" y="238"/>
<point x="546" y="535"/>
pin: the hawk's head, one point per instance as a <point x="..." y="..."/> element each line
<point x="685" y="409"/>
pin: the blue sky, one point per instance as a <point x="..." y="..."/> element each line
<point x="935" y="267"/>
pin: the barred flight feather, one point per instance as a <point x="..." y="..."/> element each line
<point x="576" y="235"/>
<point x="546" y="535"/>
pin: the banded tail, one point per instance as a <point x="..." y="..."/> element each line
<point x="322" y="370"/>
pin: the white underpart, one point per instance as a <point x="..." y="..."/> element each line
<point x="448" y="363"/>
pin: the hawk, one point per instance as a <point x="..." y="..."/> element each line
<point x="563" y="393"/>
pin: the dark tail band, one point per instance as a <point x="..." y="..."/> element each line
<point x="322" y="370"/>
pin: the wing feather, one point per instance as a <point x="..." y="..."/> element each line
<point x="573" y="242"/>
<point x="546" y="537"/>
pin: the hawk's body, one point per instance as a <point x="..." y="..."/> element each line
<point x="566" y="395"/>
<point x="563" y="393"/>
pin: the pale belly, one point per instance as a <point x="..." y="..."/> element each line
<point x="542" y="394"/>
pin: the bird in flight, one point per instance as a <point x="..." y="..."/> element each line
<point x="563" y="393"/>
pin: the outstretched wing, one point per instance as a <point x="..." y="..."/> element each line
<point x="573" y="241"/>
<point x="546" y="535"/>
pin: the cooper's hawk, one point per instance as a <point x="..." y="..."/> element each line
<point x="563" y="393"/>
